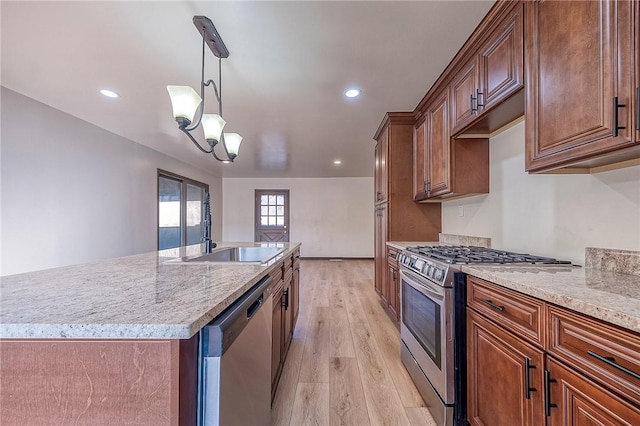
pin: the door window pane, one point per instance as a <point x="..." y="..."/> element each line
<point x="195" y="200"/>
<point x="180" y="211"/>
<point x="280" y="200"/>
<point x="169" y="230"/>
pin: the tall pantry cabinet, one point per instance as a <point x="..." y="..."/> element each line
<point x="397" y="216"/>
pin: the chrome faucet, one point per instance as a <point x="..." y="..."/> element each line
<point x="206" y="225"/>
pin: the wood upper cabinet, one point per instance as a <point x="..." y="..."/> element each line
<point x="450" y="166"/>
<point x="490" y="76"/>
<point x="464" y="89"/>
<point x="501" y="59"/>
<point x="437" y="146"/>
<point x="581" y="98"/>
<point x="504" y="376"/>
<point x="419" y="155"/>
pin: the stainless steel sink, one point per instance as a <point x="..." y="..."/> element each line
<point x="237" y="254"/>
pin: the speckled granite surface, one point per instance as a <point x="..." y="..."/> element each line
<point x="401" y="245"/>
<point x="464" y="240"/>
<point x="444" y="239"/>
<point x="606" y="295"/>
<point x="621" y="261"/>
<point x="138" y="297"/>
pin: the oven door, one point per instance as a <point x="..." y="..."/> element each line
<point x="426" y="314"/>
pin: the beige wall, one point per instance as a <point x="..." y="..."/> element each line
<point x="331" y="217"/>
<point x="74" y="193"/>
<point x="555" y="215"/>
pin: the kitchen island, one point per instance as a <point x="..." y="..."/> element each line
<point x="115" y="341"/>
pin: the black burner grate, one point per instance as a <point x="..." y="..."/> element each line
<point x="473" y="255"/>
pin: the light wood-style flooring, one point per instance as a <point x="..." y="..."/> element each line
<point x="343" y="366"/>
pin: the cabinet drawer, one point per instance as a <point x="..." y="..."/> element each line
<point x="514" y="311"/>
<point x="392" y="257"/>
<point x="276" y="274"/>
<point x="602" y="351"/>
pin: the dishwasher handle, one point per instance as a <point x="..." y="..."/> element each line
<point x="220" y="333"/>
<point x="255" y="306"/>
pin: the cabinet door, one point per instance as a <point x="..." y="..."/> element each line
<point x="276" y="345"/>
<point x="579" y="57"/>
<point x="501" y="390"/>
<point x="380" y="249"/>
<point x="577" y="400"/>
<point x="295" y="293"/>
<point x="438" y="147"/>
<point x="382" y="148"/>
<point x="394" y="297"/>
<point x="287" y="328"/>
<point x="501" y="62"/>
<point x="419" y="172"/>
<point x="464" y="101"/>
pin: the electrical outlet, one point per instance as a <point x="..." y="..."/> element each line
<point x="460" y="211"/>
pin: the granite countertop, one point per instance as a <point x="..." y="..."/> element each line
<point x="610" y="296"/>
<point x="402" y="245"/>
<point x="134" y="297"/>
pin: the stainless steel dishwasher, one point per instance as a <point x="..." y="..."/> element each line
<point x="235" y="362"/>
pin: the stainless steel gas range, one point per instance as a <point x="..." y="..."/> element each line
<point x="433" y="324"/>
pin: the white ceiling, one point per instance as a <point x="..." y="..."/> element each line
<point x="283" y="82"/>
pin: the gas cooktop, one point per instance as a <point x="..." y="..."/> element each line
<point x="475" y="255"/>
<point x="439" y="263"/>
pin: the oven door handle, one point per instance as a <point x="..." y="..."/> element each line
<point x="423" y="285"/>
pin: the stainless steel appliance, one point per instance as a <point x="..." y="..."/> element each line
<point x="235" y="362"/>
<point x="433" y="324"/>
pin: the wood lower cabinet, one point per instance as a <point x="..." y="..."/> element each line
<point x="277" y="343"/>
<point x="286" y="306"/>
<point x="391" y="291"/>
<point x="585" y="372"/>
<point x="504" y="376"/>
<point x="581" y="94"/>
<point x="398" y="217"/>
<point x="380" y="249"/>
<point x="576" y="400"/>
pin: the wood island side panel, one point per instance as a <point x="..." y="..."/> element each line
<point x="93" y="382"/>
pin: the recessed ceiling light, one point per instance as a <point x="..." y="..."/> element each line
<point x="352" y="93"/>
<point x="109" y="93"/>
<point x="337" y="162"/>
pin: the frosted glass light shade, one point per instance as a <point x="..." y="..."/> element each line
<point x="184" y="100"/>
<point x="232" y="142"/>
<point x="212" y="124"/>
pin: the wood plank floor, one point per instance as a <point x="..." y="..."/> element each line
<point x="343" y="366"/>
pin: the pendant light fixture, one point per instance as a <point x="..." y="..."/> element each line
<point x="187" y="103"/>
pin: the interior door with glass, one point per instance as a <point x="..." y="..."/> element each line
<point x="272" y="215"/>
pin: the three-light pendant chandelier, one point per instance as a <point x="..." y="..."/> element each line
<point x="186" y="101"/>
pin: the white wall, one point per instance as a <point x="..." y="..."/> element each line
<point x="73" y="192"/>
<point x="555" y="215"/>
<point x="331" y="217"/>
